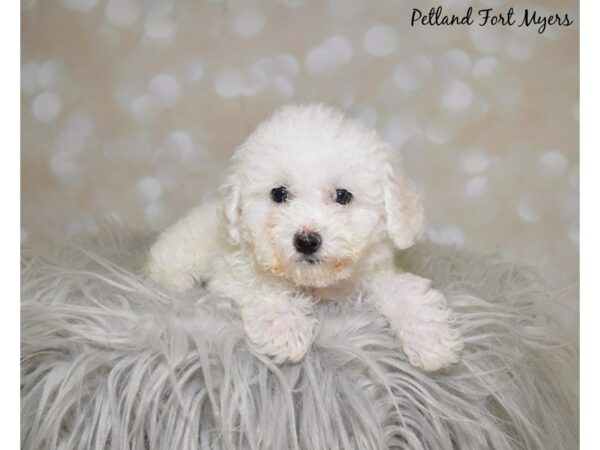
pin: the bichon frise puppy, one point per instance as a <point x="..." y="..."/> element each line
<point x="312" y="209"/>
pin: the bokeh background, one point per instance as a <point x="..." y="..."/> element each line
<point x="130" y="109"/>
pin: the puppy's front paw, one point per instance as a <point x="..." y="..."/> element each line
<point x="421" y="318"/>
<point x="428" y="340"/>
<point x="284" y="333"/>
<point x="177" y="281"/>
<point x="431" y="344"/>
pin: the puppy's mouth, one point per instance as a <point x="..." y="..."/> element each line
<point x="309" y="260"/>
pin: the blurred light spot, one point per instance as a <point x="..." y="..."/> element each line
<point x="184" y="145"/>
<point x="160" y="30"/>
<point x="380" y="40"/>
<point x="529" y="211"/>
<point x="156" y="215"/>
<point x="182" y="140"/>
<point x="340" y="48"/>
<point x="46" y="106"/>
<point x="486" y="39"/>
<point x="255" y="81"/>
<point x="24" y="234"/>
<point x="553" y="164"/>
<point x="486" y="68"/>
<point x="319" y="60"/>
<point x="332" y="54"/>
<point x="249" y="21"/>
<point x="456" y="62"/>
<point x="282" y="86"/>
<point x="70" y="142"/>
<point x="63" y="166"/>
<point x="51" y="75"/>
<point x="234" y="82"/>
<point x="283" y="64"/>
<point x="477" y="187"/>
<point x="519" y="47"/>
<point x="194" y="70"/>
<point x="573" y="233"/>
<point x="457" y="96"/>
<point x="400" y="128"/>
<point x="144" y="109"/>
<point x="150" y="188"/>
<point x="122" y="13"/>
<point x="474" y="162"/>
<point x="164" y="88"/>
<point x="229" y="83"/>
<point x="289" y="64"/>
<point x="411" y="75"/>
<point x="447" y="235"/>
<point x="575" y="112"/>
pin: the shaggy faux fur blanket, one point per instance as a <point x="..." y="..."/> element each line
<point x="110" y="361"/>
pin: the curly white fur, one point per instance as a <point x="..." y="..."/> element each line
<point x="243" y="246"/>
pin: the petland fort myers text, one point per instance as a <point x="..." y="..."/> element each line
<point x="490" y="17"/>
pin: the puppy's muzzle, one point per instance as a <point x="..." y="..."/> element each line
<point x="307" y="242"/>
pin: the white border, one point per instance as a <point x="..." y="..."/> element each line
<point x="590" y="223"/>
<point x="10" y="233"/>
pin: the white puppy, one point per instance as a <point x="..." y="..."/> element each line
<point x="311" y="210"/>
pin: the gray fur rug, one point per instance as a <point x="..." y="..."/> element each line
<point x="111" y="362"/>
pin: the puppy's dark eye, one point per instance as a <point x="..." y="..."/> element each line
<point x="342" y="196"/>
<point x="279" y="194"/>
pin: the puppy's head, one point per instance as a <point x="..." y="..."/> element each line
<point x="310" y="191"/>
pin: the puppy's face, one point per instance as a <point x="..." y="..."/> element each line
<point x="308" y="216"/>
<point x="308" y="195"/>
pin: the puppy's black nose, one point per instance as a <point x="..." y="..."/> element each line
<point x="307" y="242"/>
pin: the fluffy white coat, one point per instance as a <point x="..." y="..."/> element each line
<point x="243" y="246"/>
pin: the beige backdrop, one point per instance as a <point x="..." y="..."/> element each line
<point x="132" y="108"/>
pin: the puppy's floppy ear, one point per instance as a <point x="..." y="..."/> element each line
<point x="231" y="208"/>
<point x="405" y="217"/>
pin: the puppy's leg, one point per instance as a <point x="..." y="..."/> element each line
<point x="279" y="325"/>
<point x="419" y="315"/>
<point x="186" y="250"/>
